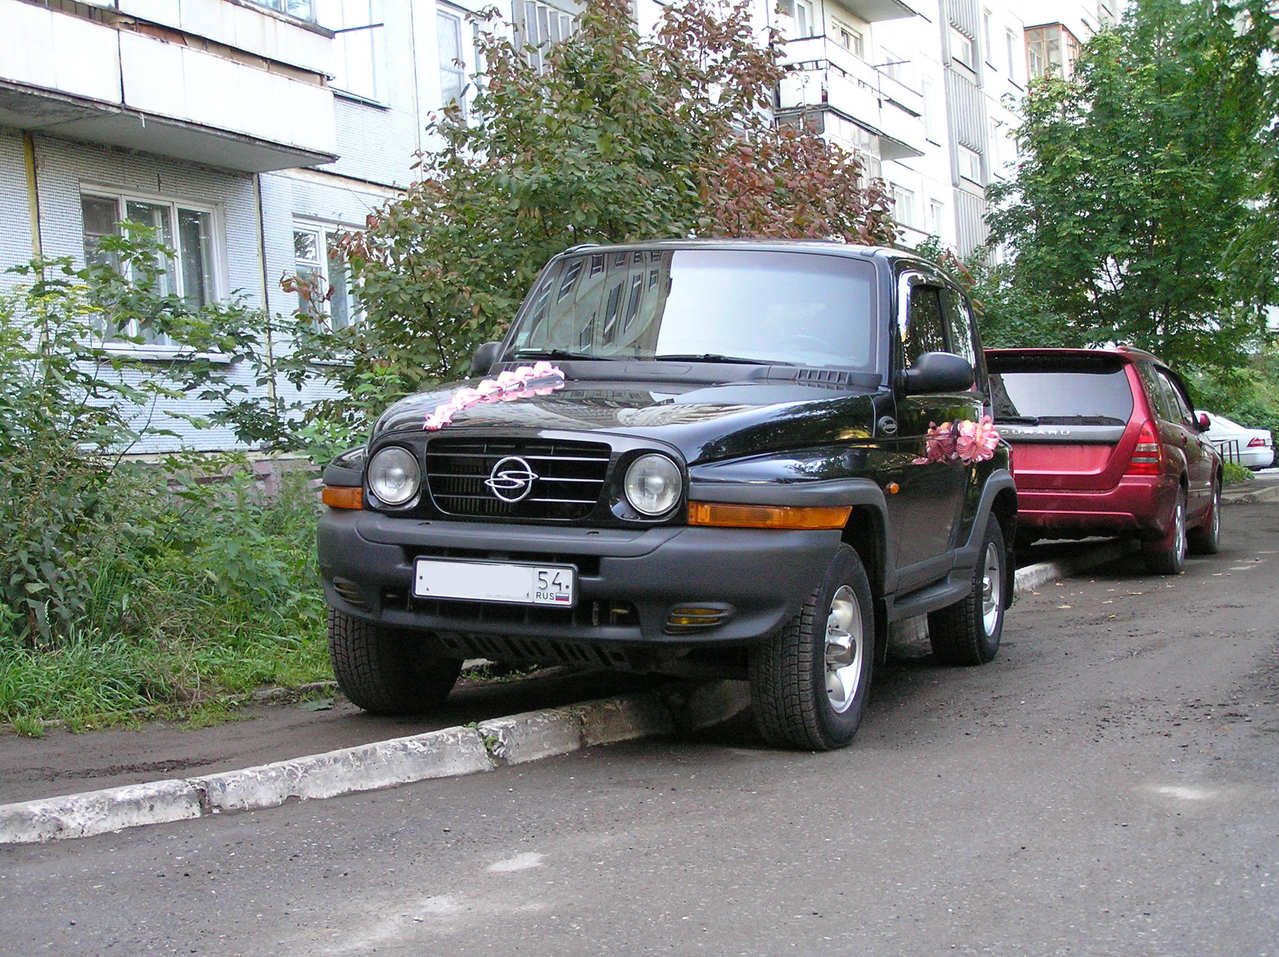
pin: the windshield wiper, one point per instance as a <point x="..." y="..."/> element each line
<point x="716" y="357"/>
<point x="1018" y="419"/>
<point x="558" y="354"/>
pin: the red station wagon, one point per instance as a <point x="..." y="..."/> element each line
<point x="1105" y="443"/>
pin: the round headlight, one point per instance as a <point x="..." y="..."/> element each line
<point x="652" y="484"/>
<point x="394" y="475"/>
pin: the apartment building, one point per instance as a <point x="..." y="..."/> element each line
<point x="249" y="131"/>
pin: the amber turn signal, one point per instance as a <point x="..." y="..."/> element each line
<point x="767" y="516"/>
<point x="342" y="496"/>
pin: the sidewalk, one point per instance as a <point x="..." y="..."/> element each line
<point x="163" y="774"/>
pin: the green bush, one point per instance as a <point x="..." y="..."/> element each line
<point x="1233" y="473"/>
<point x="123" y="586"/>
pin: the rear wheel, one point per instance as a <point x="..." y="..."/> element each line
<point x="1206" y="539"/>
<point x="968" y="632"/>
<point x="1168" y="556"/>
<point x="387" y="671"/>
<point x="810" y="680"/>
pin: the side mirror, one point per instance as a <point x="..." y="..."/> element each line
<point x="937" y="372"/>
<point x="1204" y="422"/>
<point x="483" y="358"/>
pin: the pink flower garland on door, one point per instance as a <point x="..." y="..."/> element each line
<point x="541" y="378"/>
<point x="960" y="441"/>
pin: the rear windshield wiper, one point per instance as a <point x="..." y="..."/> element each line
<point x="558" y="354"/>
<point x="1081" y="420"/>
<point x="716" y="357"/>
<point x="1017" y="419"/>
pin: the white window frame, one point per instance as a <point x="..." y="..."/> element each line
<point x="969" y="161"/>
<point x="857" y="37"/>
<point x="216" y="268"/>
<point x="905" y="205"/>
<point x="323" y="233"/>
<point x="962" y="43"/>
<point x="335" y="14"/>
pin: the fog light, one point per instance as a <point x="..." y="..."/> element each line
<point x="685" y="618"/>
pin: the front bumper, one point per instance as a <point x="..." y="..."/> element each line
<point x="1138" y="504"/>
<point x="366" y="563"/>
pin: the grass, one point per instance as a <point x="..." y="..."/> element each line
<point x="212" y="595"/>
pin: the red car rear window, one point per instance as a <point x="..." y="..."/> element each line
<point x="1062" y="392"/>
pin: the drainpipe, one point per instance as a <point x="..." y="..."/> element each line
<point x="33" y="193"/>
<point x="266" y="301"/>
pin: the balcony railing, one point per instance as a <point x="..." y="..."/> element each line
<point x="822" y="74"/>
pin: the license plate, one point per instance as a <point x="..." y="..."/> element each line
<point x="507" y="582"/>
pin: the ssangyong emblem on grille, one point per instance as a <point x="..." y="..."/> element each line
<point x="511" y="479"/>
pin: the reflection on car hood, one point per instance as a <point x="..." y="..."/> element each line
<point x="705" y="422"/>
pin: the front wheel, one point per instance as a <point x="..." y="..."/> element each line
<point x="387" y="671"/>
<point x="968" y="632"/>
<point x="810" y="680"/>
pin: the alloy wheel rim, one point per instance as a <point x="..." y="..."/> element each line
<point x="1179" y="521"/>
<point x="845" y="646"/>
<point x="1216" y="512"/>
<point x="992" y="589"/>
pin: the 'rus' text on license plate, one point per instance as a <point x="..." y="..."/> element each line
<point x="496" y="581"/>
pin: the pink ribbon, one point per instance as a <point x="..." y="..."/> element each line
<point x="541" y="378"/>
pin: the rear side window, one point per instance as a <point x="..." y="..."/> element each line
<point x="1092" y="395"/>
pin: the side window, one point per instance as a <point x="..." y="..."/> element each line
<point x="959" y="324"/>
<point x="921" y="322"/>
<point x="1177" y="402"/>
<point x="1155" y="393"/>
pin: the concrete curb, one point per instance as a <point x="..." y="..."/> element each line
<point x="485" y="746"/>
<point x="1242" y="495"/>
<point x="446" y="753"/>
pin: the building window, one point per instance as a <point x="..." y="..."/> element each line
<point x="539" y="25"/>
<point x="904" y="207"/>
<point x="850" y="38"/>
<point x="302" y="9"/>
<point x="191" y="272"/>
<point x="970" y="165"/>
<point x="324" y="285"/>
<point x="1010" y="41"/>
<point x="1051" y="50"/>
<point x="987" y="37"/>
<point x="357" y="50"/>
<point x="448" y="33"/>
<point x="935" y="211"/>
<point x="963" y="49"/>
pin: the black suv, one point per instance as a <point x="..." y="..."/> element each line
<point x="687" y="457"/>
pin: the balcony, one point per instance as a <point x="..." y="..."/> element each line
<point x="212" y="81"/>
<point x="823" y="75"/>
<point x="873" y="11"/>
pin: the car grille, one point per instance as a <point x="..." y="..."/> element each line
<point x="570" y="476"/>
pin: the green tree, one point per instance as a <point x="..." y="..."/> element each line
<point x="612" y="137"/>
<point x="1139" y="212"/>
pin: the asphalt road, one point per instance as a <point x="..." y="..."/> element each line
<point x="1107" y="786"/>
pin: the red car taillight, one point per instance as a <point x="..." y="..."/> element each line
<point x="1256" y="442"/>
<point x="1147" y="457"/>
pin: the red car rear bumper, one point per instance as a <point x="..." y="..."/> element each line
<point x="1140" y="504"/>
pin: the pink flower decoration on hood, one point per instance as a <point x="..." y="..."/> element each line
<point x="542" y="378"/>
<point x="977" y="440"/>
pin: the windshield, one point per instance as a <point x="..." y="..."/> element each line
<point x="714" y="305"/>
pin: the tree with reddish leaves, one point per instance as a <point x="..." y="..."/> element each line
<point x="606" y="136"/>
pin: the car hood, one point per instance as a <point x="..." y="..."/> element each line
<point x="704" y="421"/>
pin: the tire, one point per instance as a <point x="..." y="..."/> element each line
<point x="968" y="632"/>
<point x="1206" y="539"/>
<point x="810" y="680"/>
<point x="385" y="671"/>
<point x="1168" y="556"/>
